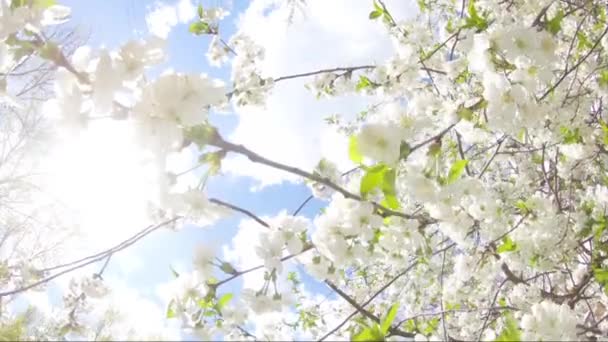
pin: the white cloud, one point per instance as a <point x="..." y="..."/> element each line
<point x="185" y="11"/>
<point x="241" y="252"/>
<point x="138" y="313"/>
<point x="291" y="128"/>
<point x="161" y="17"/>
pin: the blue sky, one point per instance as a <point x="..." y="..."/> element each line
<point x="110" y="24"/>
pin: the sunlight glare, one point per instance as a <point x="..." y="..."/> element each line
<point x="98" y="177"/>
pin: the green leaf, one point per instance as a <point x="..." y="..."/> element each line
<point x="449" y="26"/>
<point x="502" y="302"/>
<point x="456" y="170"/>
<point x="363" y="83"/>
<point x="511" y="330"/>
<point x="388" y="189"/>
<point x="466" y="114"/>
<point x="214" y="159"/>
<point x="382" y="177"/>
<point x="583" y="41"/>
<point x="224" y="299"/>
<point x="17" y="3"/>
<point x="372" y="333"/>
<point x="205" y="304"/>
<point x="422" y="5"/>
<point x="22" y="51"/>
<point x="431" y="326"/>
<point x="603" y="78"/>
<point x="41" y="4"/>
<point x="353" y="150"/>
<point x="404" y="150"/>
<point x="463" y="76"/>
<point x="372" y="179"/>
<point x="227" y="268"/>
<point x="171" y="309"/>
<point x="390" y="317"/>
<point x="555" y="24"/>
<point x="200" y="11"/>
<point x="410" y="325"/>
<point x="209" y="313"/>
<point x="378" y="7"/>
<point x="50" y="51"/>
<point x="293" y="277"/>
<point x="601" y="19"/>
<point x="523" y="207"/>
<point x="44" y="3"/>
<point x="533" y="262"/>
<point x="200" y="27"/>
<point x="571" y="136"/>
<point x="601" y="275"/>
<point x="474" y="20"/>
<point x="201" y="135"/>
<point x="365" y="335"/>
<point x="174" y="272"/>
<point x="502" y="63"/>
<point x="434" y="149"/>
<point x="391" y="201"/>
<point x="16" y="328"/>
<point x="507" y="245"/>
<point x="374" y="14"/>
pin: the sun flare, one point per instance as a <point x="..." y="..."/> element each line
<point x="100" y="178"/>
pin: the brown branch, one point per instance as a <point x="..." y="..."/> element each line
<point x="539" y="17"/>
<point x="511" y="276"/>
<point x="485" y="167"/>
<point x="427" y="314"/>
<point x="462" y="155"/>
<point x="362" y="310"/>
<point x="485" y="322"/>
<point x="433" y="138"/>
<point x="382" y="289"/>
<point x="568" y="71"/>
<point x="324" y="71"/>
<point x="445" y="330"/>
<point x="219" y="142"/>
<point x="240" y="210"/>
<point x="302" y="205"/>
<point x="309" y="198"/>
<point x="240" y="273"/>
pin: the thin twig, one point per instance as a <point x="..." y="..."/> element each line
<point x="485" y="322"/>
<point x="362" y="310"/>
<point x="382" y="289"/>
<point x="324" y="71"/>
<point x="240" y="210"/>
<point x="568" y="71"/>
<point x="433" y="138"/>
<point x="485" y="167"/>
<point x="256" y="158"/>
<point x="119" y="247"/>
<point x="445" y="330"/>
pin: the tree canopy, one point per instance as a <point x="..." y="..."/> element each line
<point x="473" y="205"/>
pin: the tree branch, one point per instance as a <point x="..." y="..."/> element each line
<point x="92" y="259"/>
<point x="568" y="71"/>
<point x="219" y="142"/>
<point x="324" y="71"/>
<point x="240" y="210"/>
<point x="362" y="310"/>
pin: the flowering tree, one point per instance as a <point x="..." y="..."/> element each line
<point x="476" y="211"/>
